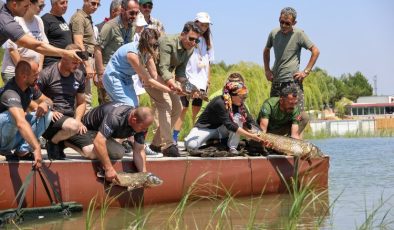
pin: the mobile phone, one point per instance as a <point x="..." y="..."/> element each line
<point x="84" y="55"/>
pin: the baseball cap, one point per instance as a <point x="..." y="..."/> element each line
<point x="203" y="17"/>
<point x="144" y="1"/>
<point x="140" y="20"/>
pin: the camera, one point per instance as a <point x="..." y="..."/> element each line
<point x="84" y="55"/>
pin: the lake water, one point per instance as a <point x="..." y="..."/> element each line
<point x="361" y="175"/>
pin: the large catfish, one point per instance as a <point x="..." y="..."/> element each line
<point x="290" y="146"/>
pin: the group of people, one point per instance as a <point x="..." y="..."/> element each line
<point x="52" y="65"/>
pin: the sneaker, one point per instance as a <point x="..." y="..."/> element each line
<point x="149" y="152"/>
<point x="128" y="146"/>
<point x="171" y="151"/>
<point x="233" y="151"/>
<point x="43" y="142"/>
<point x="55" y="151"/>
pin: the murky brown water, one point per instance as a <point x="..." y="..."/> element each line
<point x="360" y="175"/>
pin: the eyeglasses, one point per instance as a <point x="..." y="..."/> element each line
<point x="95" y="4"/>
<point x="133" y="13"/>
<point x="285" y="23"/>
<point x="147" y="6"/>
<point x="41" y="6"/>
<point x="192" y="39"/>
<point x="243" y="96"/>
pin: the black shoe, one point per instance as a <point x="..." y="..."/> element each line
<point x="171" y="151"/>
<point x="155" y="148"/>
<point x="128" y="146"/>
<point x="27" y="157"/>
<point x="55" y="151"/>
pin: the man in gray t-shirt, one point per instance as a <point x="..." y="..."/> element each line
<point x="64" y="83"/>
<point x="287" y="42"/>
<point x="10" y="29"/>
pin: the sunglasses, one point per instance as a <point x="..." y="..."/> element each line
<point x="95" y="4"/>
<point x="285" y="23"/>
<point x="196" y="40"/>
<point x="133" y="13"/>
<point x="147" y="6"/>
<point x="41" y="6"/>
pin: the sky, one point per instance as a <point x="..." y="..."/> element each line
<point x="352" y="35"/>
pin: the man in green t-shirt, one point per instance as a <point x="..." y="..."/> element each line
<point x="281" y="115"/>
<point x="287" y="42"/>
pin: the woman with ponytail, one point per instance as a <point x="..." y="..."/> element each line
<point x="225" y="117"/>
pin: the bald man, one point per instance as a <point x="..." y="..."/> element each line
<point x="109" y="121"/>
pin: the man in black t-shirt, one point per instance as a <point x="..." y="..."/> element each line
<point x="64" y="83"/>
<point x="109" y="121"/>
<point x="56" y="28"/>
<point x="18" y="126"/>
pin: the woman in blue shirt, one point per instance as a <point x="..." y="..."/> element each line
<point x="133" y="58"/>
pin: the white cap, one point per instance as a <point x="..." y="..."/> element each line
<point x="140" y="20"/>
<point x="203" y="17"/>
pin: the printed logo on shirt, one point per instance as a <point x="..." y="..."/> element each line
<point x="76" y="85"/>
<point x="14" y="99"/>
<point x="107" y="131"/>
<point x="64" y="27"/>
<point x="118" y="104"/>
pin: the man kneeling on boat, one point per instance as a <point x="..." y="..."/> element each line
<point x="281" y="115"/>
<point x="64" y="83"/>
<point x="109" y="121"/>
<point x="20" y="128"/>
<point x="224" y="117"/>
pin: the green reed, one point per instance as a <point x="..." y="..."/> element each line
<point x="371" y="221"/>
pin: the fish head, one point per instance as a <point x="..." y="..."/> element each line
<point x="316" y="152"/>
<point x="153" y="180"/>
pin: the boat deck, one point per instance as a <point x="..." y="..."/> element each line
<point x="76" y="179"/>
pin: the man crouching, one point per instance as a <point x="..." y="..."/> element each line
<point x="109" y="121"/>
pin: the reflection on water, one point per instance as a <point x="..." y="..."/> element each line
<point x="266" y="212"/>
<point x="361" y="172"/>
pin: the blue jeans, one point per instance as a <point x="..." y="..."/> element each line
<point x="120" y="89"/>
<point x="11" y="139"/>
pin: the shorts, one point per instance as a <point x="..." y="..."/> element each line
<point x="115" y="149"/>
<point x="54" y="127"/>
<point x="196" y="102"/>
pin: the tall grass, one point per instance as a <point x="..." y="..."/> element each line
<point x="103" y="209"/>
<point x="371" y="221"/>
<point x="303" y="194"/>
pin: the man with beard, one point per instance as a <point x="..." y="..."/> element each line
<point x="19" y="128"/>
<point x="64" y="83"/>
<point x="281" y="115"/>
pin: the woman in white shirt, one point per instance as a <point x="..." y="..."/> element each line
<point x="32" y="25"/>
<point x="197" y="69"/>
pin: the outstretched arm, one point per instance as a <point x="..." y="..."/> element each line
<point x="139" y="157"/>
<point x="45" y="48"/>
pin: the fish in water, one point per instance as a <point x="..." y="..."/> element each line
<point x="190" y="89"/>
<point x="290" y="146"/>
<point x="135" y="180"/>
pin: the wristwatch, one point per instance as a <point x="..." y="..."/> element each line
<point x="307" y="71"/>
